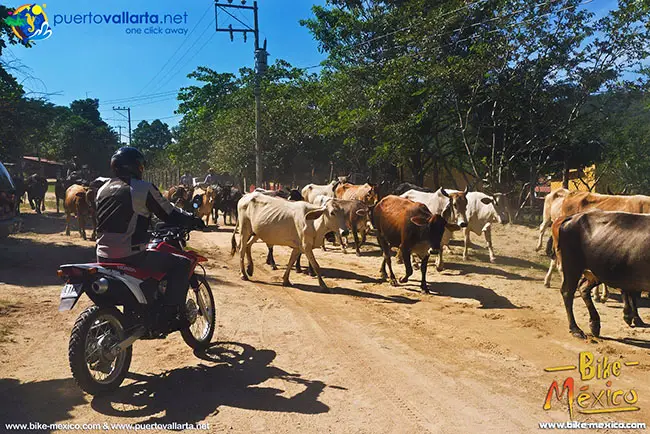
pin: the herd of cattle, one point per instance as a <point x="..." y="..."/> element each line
<point x="598" y="240"/>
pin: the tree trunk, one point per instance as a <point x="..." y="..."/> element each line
<point x="436" y="175"/>
<point x="565" y="173"/>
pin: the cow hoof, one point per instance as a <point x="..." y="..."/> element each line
<point x="274" y="267"/>
<point x="578" y="334"/>
<point x="404" y="279"/>
<point x="359" y="254"/>
<point x="638" y="322"/>
<point x="299" y="270"/>
<point x="628" y="320"/>
<point x="393" y="282"/>
<point x="425" y="290"/>
<point x="244" y="277"/>
<point x="287" y="283"/>
<point x="493" y="260"/>
<point x="440" y="268"/>
<point x="249" y="270"/>
<point x="383" y="277"/>
<point x="547" y="284"/>
<point x="595" y="329"/>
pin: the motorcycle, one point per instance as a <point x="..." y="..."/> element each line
<point x="100" y="347"/>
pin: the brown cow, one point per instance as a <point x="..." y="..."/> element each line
<point x="606" y="247"/>
<point x="179" y="195"/>
<point x="365" y="193"/>
<point x="581" y="201"/>
<point x="80" y="200"/>
<point x="413" y="228"/>
<point x="202" y="203"/>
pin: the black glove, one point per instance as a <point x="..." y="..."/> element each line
<point x="198" y="224"/>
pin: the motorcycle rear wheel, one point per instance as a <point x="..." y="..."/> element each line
<point x="199" y="334"/>
<point x="95" y="329"/>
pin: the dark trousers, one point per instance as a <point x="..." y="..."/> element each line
<point x="176" y="269"/>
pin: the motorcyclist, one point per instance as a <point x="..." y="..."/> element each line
<point x="125" y="205"/>
<point x="211" y="177"/>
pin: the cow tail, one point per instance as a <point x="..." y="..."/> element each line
<point x="233" y="240"/>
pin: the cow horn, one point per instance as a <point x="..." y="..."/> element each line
<point x="624" y="190"/>
<point x="466" y="189"/>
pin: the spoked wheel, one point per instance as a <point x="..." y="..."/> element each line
<point x="200" y="311"/>
<point x="95" y="368"/>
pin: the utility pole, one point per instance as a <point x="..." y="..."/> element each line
<point x="119" y="127"/>
<point x="260" y="68"/>
<point x="128" y="110"/>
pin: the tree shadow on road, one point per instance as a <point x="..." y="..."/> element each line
<point x="487" y="297"/>
<point x="29" y="262"/>
<point x="49" y="401"/>
<point x="231" y="377"/>
<point x="356" y="293"/>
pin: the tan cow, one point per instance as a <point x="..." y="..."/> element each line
<point x="552" y="209"/>
<point x="202" y="203"/>
<point x="581" y="201"/>
<point x="80" y="201"/>
<point x="365" y="193"/>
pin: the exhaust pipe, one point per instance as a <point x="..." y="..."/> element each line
<point x="100" y="286"/>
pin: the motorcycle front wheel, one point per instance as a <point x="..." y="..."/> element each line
<point x="200" y="311"/>
<point x="94" y="367"/>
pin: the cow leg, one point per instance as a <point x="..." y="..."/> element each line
<point x="249" y="256"/>
<point x="298" y="267"/>
<point x="43" y="203"/>
<point x="355" y="234"/>
<point x="245" y="236"/>
<point x="630" y="309"/>
<point x="542" y="228"/>
<point x="67" y="223"/>
<point x="82" y="223"/>
<point x="569" y="286"/>
<point x="312" y="261"/>
<point x="398" y="256"/>
<point x="293" y="258"/>
<point x="547" y="278"/>
<point x="594" y="318"/>
<point x="270" y="260"/>
<point x="446" y="236"/>
<point x="57" y="205"/>
<point x="487" y="231"/>
<point x="423" y="284"/>
<point x="339" y="238"/>
<point x="465" y="243"/>
<point x="406" y="255"/>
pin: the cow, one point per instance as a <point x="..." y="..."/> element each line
<point x="406" y="186"/>
<point x="365" y="193"/>
<point x="310" y="191"/>
<point x="552" y="210"/>
<point x="292" y="194"/>
<point x="59" y="192"/>
<point x="607" y="247"/>
<point x="452" y="206"/>
<point x="80" y="201"/>
<point x="229" y="200"/>
<point x="36" y="187"/>
<point x="299" y="225"/>
<point x="202" y="203"/>
<point x="412" y="227"/>
<point x="180" y="195"/>
<point x="482" y="211"/>
<point x="581" y="201"/>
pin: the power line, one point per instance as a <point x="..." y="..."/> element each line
<point x="142" y="97"/>
<point x="177" y="49"/>
<point x="189" y="60"/>
<point x="140" y="120"/>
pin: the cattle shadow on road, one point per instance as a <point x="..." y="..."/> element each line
<point x="636" y="342"/>
<point x="47" y="223"/>
<point x="231" y="376"/>
<point x="641" y="302"/>
<point x="467" y="268"/>
<point x="486" y="296"/>
<point x="48" y="401"/>
<point x="356" y="293"/>
<point x="334" y="273"/>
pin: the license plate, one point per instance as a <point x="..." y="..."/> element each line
<point x="69" y="296"/>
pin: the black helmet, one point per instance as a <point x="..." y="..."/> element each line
<point x="128" y="162"/>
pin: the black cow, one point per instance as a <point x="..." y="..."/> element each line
<point x="406" y="186"/>
<point x="36" y="187"/>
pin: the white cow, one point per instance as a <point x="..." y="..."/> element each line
<point x="482" y="211"/>
<point x="299" y="225"/>
<point x="452" y="206"/>
<point x="311" y="191"/>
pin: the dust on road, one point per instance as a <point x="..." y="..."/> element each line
<point x="366" y="357"/>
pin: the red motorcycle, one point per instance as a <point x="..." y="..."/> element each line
<point x="101" y="342"/>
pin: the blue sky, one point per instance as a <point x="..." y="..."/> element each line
<point x="103" y="61"/>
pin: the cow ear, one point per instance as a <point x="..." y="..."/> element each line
<point x="444" y="193"/>
<point x="452" y="227"/>
<point x="419" y="220"/>
<point x="313" y="215"/>
<point x="362" y="212"/>
<point x="486" y="200"/>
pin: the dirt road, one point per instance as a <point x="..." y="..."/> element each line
<point x="366" y="357"/>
